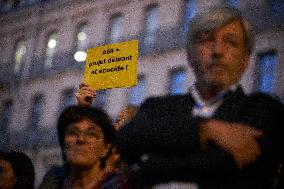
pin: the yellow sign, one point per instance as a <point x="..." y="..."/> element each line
<point x="112" y="66"/>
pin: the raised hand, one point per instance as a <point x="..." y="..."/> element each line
<point x="85" y="95"/>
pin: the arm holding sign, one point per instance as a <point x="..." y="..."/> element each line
<point x="85" y="95"/>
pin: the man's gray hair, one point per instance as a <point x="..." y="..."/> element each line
<point x="216" y="17"/>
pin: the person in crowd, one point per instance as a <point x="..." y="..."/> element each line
<point x="125" y="116"/>
<point x="278" y="182"/>
<point x="86" y="96"/>
<point x="216" y="136"/>
<point x="16" y="171"/>
<point x="86" y="139"/>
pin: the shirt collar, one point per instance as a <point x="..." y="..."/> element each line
<point x="201" y="103"/>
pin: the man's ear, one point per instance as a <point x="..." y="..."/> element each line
<point x="246" y="62"/>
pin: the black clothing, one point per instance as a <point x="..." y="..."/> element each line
<point x="168" y="135"/>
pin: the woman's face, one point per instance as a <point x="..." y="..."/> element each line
<point x="84" y="144"/>
<point x="7" y="176"/>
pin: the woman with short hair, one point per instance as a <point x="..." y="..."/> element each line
<point x="86" y="139"/>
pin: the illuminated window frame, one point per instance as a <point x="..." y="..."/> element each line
<point x="19" y="55"/>
<point x="137" y="93"/>
<point x="151" y="24"/>
<point x="50" y="49"/>
<point x="81" y="41"/>
<point x="267" y="63"/>
<point x="116" y="27"/>
<point x="178" y="82"/>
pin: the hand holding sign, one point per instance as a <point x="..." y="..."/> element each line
<point x="112" y="66"/>
<point x="85" y="95"/>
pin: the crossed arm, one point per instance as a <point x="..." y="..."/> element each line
<point x="240" y="140"/>
<point x="182" y="139"/>
<point x="221" y="148"/>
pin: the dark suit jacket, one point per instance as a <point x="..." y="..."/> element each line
<point x="166" y="132"/>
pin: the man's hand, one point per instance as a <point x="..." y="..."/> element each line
<point x="85" y="95"/>
<point x="237" y="139"/>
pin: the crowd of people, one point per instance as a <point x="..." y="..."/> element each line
<point x="214" y="137"/>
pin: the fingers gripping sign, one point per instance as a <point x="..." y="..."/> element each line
<point x="85" y="95"/>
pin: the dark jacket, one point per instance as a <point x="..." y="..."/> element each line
<point x="168" y="136"/>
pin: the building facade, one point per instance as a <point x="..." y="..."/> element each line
<point x="43" y="45"/>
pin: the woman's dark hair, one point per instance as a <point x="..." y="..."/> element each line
<point x="76" y="113"/>
<point x="22" y="167"/>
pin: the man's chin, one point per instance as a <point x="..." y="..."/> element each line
<point x="81" y="165"/>
<point x="215" y="86"/>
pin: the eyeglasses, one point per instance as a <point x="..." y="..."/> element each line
<point x="89" y="134"/>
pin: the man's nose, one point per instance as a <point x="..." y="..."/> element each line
<point x="218" y="49"/>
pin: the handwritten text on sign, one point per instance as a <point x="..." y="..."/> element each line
<point x="112" y="66"/>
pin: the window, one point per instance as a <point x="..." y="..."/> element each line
<point x="233" y="3"/>
<point x="137" y="93"/>
<point x="20" y="51"/>
<point x="189" y="12"/>
<point x="151" y="24"/>
<point x="81" y="43"/>
<point x="6" y="5"/>
<point x="276" y="8"/>
<point x="116" y="28"/>
<point x="50" y="50"/>
<point x="68" y="98"/>
<point x="101" y="99"/>
<point x="36" y="112"/>
<point x="6" y="115"/>
<point x="18" y="3"/>
<point x="267" y="70"/>
<point x="31" y="1"/>
<point x="178" y="84"/>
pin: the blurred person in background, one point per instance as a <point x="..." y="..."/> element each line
<point x="125" y="115"/>
<point x="16" y="171"/>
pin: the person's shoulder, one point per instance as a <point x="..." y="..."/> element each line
<point x="53" y="177"/>
<point x="57" y="170"/>
<point x="259" y="97"/>
<point x="167" y="99"/>
<point x="115" y="179"/>
<point x="270" y="105"/>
